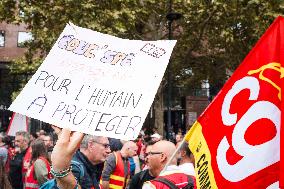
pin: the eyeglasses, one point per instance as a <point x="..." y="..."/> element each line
<point x="152" y="153"/>
<point x="103" y="144"/>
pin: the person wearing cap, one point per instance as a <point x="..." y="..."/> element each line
<point x="156" y="137"/>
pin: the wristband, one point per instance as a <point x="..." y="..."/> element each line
<point x="60" y="174"/>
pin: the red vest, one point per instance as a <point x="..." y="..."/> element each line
<point x="179" y="179"/>
<point x="26" y="162"/>
<point x="30" y="181"/>
<point x="117" y="179"/>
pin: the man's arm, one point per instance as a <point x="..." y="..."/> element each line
<point x="109" y="167"/>
<point x="61" y="156"/>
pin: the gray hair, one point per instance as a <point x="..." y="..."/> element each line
<point x="25" y="135"/>
<point x="87" y="139"/>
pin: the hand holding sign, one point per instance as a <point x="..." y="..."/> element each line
<point x="67" y="144"/>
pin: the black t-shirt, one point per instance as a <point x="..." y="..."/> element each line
<point x="15" y="174"/>
<point x="139" y="178"/>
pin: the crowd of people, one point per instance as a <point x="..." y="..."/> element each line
<point x="25" y="159"/>
<point x="69" y="160"/>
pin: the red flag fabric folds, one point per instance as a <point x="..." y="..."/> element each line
<point x="236" y="141"/>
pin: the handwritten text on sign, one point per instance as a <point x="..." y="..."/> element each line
<point x="96" y="83"/>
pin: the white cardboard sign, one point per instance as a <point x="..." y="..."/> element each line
<point x="96" y="83"/>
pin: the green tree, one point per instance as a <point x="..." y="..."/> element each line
<point x="46" y="20"/>
<point x="216" y="37"/>
<point x="213" y="35"/>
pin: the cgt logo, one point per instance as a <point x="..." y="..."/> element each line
<point x="254" y="157"/>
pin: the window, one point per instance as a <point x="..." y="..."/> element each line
<point x="24" y="37"/>
<point x="2" y="38"/>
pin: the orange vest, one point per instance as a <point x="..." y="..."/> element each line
<point x="179" y="179"/>
<point x="30" y="181"/>
<point x="117" y="179"/>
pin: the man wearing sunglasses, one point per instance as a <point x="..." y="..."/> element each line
<point x="157" y="159"/>
<point x="116" y="172"/>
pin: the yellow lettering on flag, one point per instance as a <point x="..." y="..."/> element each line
<point x="274" y="66"/>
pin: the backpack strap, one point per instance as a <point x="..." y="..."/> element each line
<point x="141" y="177"/>
<point x="190" y="184"/>
<point x="166" y="182"/>
<point x="80" y="167"/>
<point x="51" y="184"/>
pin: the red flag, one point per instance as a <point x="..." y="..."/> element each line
<point x="18" y="122"/>
<point x="236" y="141"/>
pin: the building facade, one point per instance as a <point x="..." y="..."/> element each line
<point x="12" y="38"/>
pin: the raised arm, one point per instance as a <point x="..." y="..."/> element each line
<point x="66" y="145"/>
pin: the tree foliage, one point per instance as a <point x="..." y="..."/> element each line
<point x="217" y="35"/>
<point x="213" y="35"/>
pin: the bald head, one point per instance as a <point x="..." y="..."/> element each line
<point x="129" y="149"/>
<point x="167" y="147"/>
<point x="128" y="144"/>
<point x="159" y="155"/>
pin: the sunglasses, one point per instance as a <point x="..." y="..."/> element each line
<point x="152" y="153"/>
<point x="103" y="144"/>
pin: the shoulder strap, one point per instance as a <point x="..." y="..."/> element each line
<point x="142" y="174"/>
<point x="166" y="182"/>
<point x="190" y="184"/>
<point x="141" y="177"/>
<point x="50" y="184"/>
<point x="79" y="166"/>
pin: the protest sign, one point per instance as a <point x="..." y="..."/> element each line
<point x="236" y="140"/>
<point x="96" y="83"/>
